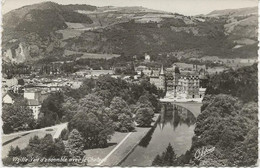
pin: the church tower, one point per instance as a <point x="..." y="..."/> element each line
<point x="162" y="79"/>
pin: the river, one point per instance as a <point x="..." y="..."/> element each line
<point x="175" y="126"/>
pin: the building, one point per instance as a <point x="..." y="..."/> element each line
<point x="202" y="92"/>
<point x="158" y="80"/>
<point x="188" y="85"/>
<point x="172" y="78"/>
<point x="8" y="98"/>
<point x="147" y="58"/>
<point x="180" y="84"/>
<point x="35" y="106"/>
<point x="204" y="80"/>
<point x="33" y="95"/>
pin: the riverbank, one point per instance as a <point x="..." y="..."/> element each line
<point x="176" y="127"/>
<point x="120" y="146"/>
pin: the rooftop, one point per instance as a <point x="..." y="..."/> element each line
<point x="33" y="102"/>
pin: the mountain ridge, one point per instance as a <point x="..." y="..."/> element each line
<point x="48" y="29"/>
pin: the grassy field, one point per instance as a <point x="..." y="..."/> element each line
<point x="70" y="33"/>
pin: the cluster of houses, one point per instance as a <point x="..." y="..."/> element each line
<point x="34" y="90"/>
<point x="33" y="96"/>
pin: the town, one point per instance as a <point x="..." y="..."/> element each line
<point x="130" y="84"/>
<point x="180" y="82"/>
<point x="183" y="85"/>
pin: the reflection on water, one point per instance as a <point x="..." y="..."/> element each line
<point x="175" y="115"/>
<point x="176" y="126"/>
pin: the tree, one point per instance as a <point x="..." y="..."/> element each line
<point x="240" y="83"/>
<point x="168" y="158"/>
<point x="228" y="125"/>
<point x="157" y="161"/>
<point x="38" y="148"/>
<point x="14" y="152"/>
<point x="121" y="114"/>
<point x="87" y="86"/>
<point x="144" y="101"/>
<point x="76" y="144"/>
<point x="64" y="134"/>
<point x="96" y="131"/>
<point x="20" y="82"/>
<point x="46" y="146"/>
<point x="125" y="124"/>
<point x="105" y="95"/>
<point x="144" y="117"/>
<point x="69" y="108"/>
<point x="118" y="106"/>
<point x="52" y="110"/>
<point x="92" y="122"/>
<point x="17" y="117"/>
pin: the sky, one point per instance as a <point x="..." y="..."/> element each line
<point x="186" y="7"/>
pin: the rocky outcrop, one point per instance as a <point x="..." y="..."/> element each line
<point x="17" y="53"/>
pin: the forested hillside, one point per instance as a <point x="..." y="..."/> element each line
<point x="241" y="83"/>
<point x="48" y="29"/>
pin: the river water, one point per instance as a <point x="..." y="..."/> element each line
<point x="175" y="126"/>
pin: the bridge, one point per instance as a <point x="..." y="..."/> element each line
<point x="194" y="107"/>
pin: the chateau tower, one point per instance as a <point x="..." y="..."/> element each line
<point x="162" y="78"/>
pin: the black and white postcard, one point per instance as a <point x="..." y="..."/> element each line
<point x="143" y="83"/>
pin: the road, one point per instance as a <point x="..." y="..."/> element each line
<point x="21" y="139"/>
<point x="103" y="160"/>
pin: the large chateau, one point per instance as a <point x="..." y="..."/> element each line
<point x="180" y="84"/>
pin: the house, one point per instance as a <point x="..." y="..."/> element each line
<point x="8" y="98"/>
<point x="35" y="98"/>
<point x="32" y="94"/>
<point x="147" y="58"/>
<point x="35" y="106"/>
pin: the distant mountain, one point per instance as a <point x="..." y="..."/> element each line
<point x="241" y="25"/>
<point x="156" y="32"/>
<point x="29" y="32"/>
<point x="234" y="12"/>
<point x="52" y="30"/>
